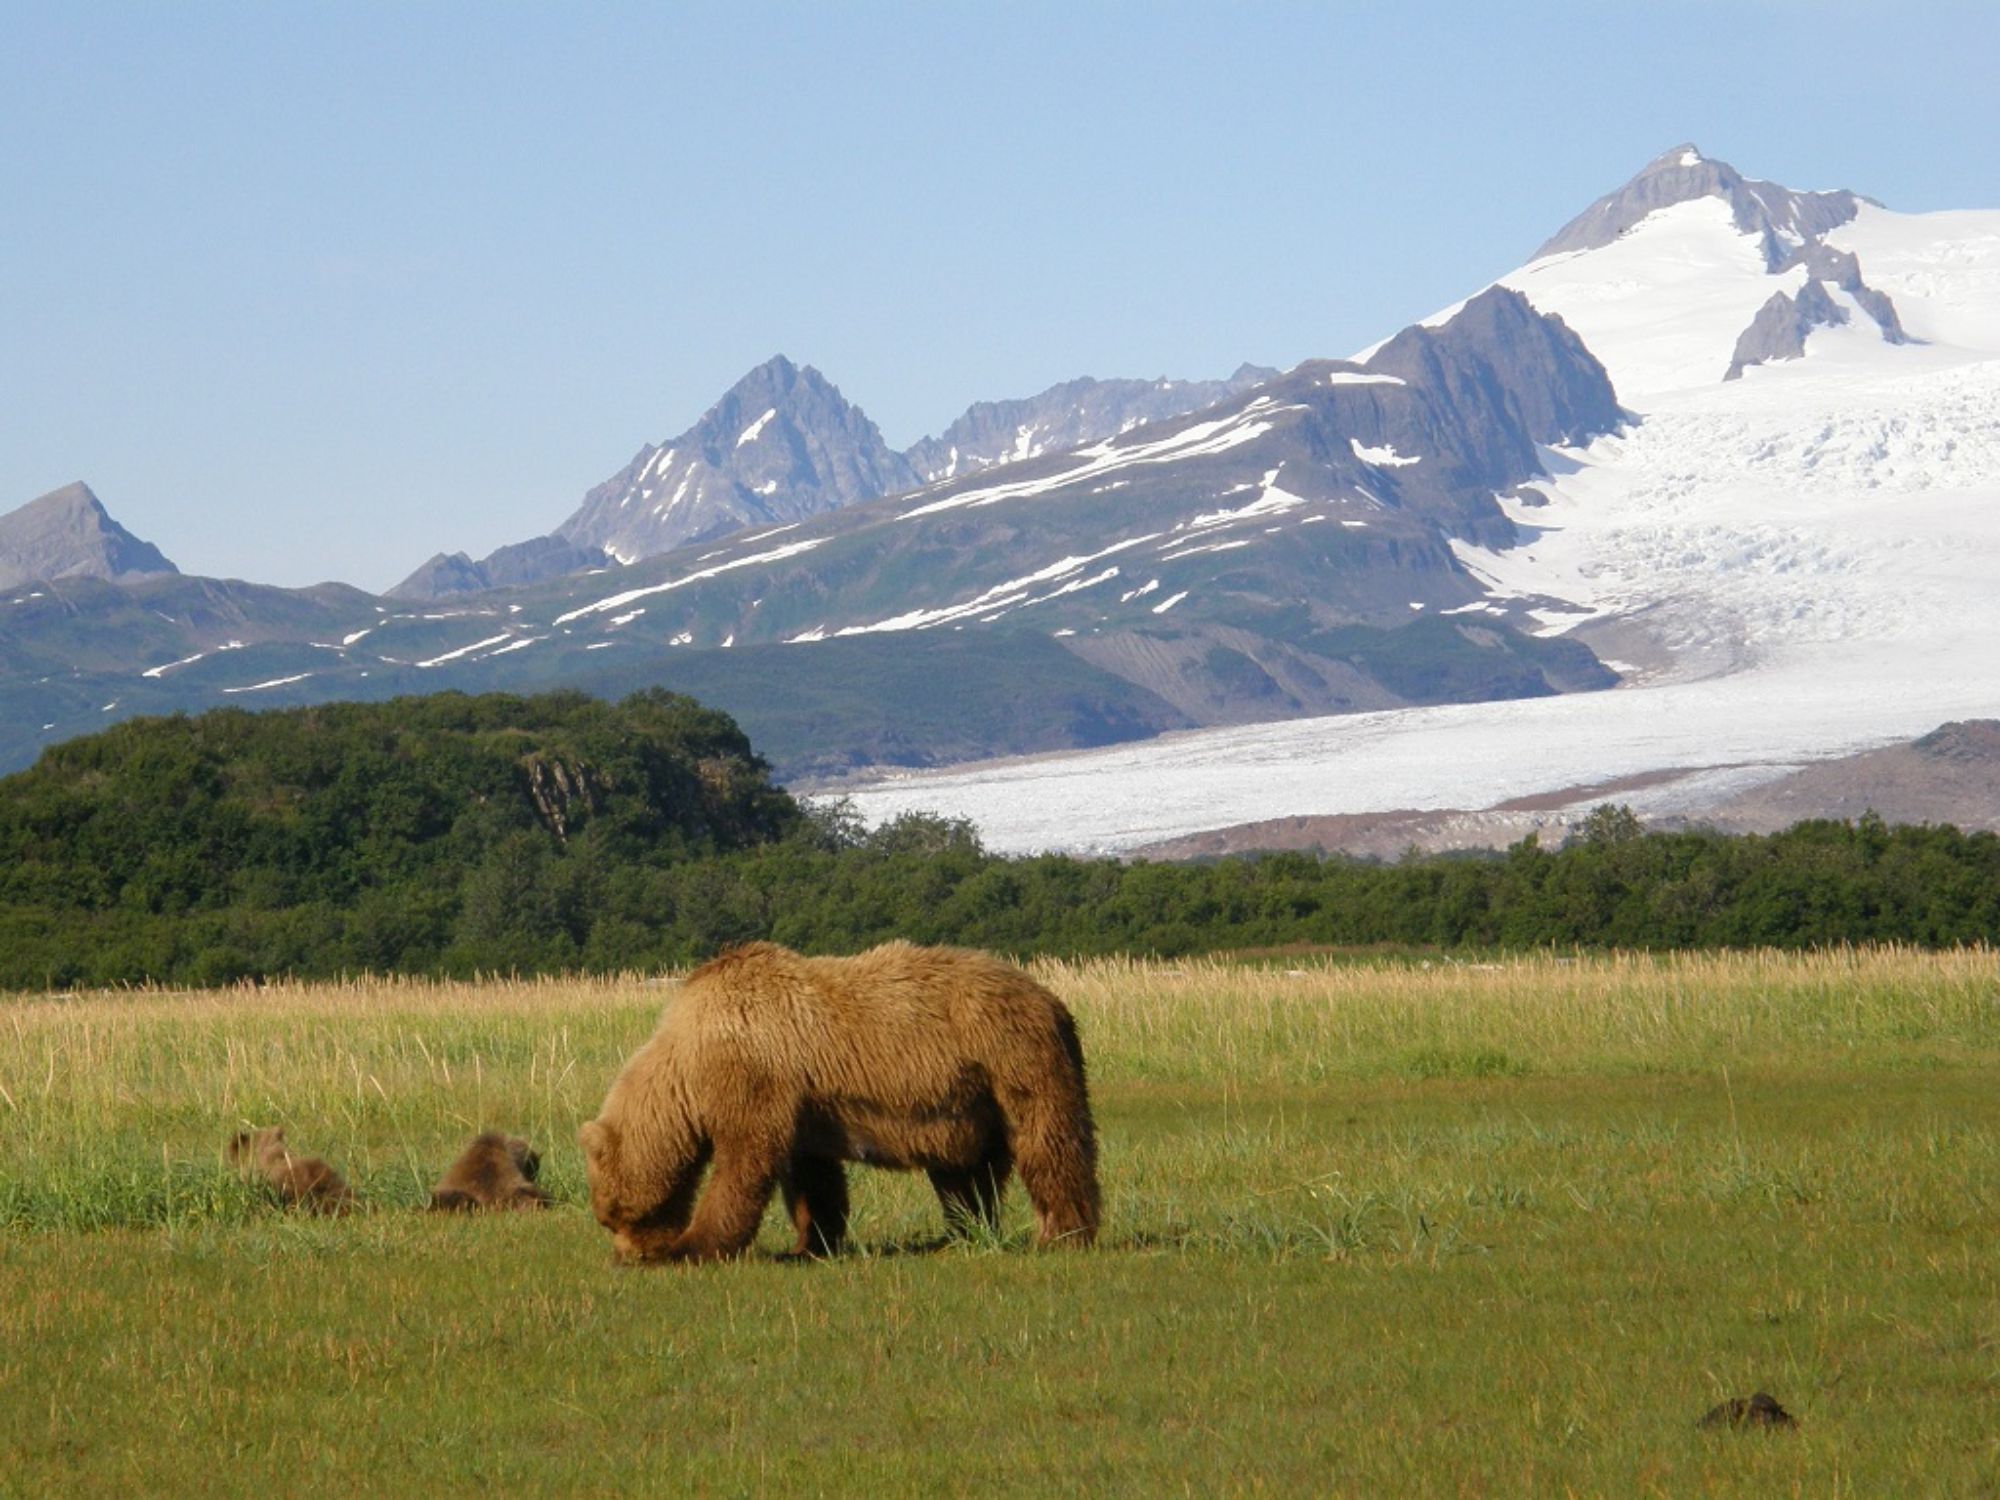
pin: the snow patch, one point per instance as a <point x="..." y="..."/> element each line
<point x="619" y="601"/>
<point x="749" y="434"/>
<point x="1385" y="456"/>
<point x="185" y="661"/>
<point x="491" y="640"/>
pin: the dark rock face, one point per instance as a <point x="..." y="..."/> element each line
<point x="1842" y="268"/>
<point x="1779" y="330"/>
<point x="1781" y="218"/>
<point x="781" y="445"/>
<point x="1067" y="416"/>
<point x="1500" y="379"/>
<point x="67" y="533"/>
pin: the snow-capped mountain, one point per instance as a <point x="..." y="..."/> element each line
<point x="1066" y="416"/>
<point x="67" y="533"/>
<point x="1247" y="561"/>
<point x="1285" y="551"/>
<point x="784" y="444"/>
<point x="1740" y="444"/>
<point x="1789" y="565"/>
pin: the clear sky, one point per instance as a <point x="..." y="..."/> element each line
<point x="310" y="291"/>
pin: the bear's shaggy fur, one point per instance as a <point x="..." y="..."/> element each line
<point x="299" y="1181"/>
<point x="495" y="1171"/>
<point x="770" y="1070"/>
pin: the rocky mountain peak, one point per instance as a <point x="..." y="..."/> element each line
<point x="1783" y="219"/>
<point x="67" y="533"/>
<point x="780" y="445"/>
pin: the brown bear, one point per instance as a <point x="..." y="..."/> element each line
<point x="495" y="1171"/>
<point x="299" y="1181"/>
<point x="770" y="1070"/>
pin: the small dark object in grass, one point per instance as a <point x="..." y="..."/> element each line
<point x="1760" y="1410"/>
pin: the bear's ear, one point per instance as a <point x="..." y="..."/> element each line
<point x="598" y="1140"/>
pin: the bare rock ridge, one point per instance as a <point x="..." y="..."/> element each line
<point x="1783" y="219"/>
<point x="508" y="567"/>
<point x="67" y="533"/>
<point x="1951" y="775"/>
<point x="1067" y="416"/>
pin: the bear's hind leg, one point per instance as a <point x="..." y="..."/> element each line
<point x="973" y="1197"/>
<point x="815" y="1190"/>
<point x="1056" y="1155"/>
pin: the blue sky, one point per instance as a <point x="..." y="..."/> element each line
<point x="310" y="291"/>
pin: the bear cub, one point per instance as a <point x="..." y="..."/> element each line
<point x="304" y="1182"/>
<point x="495" y="1171"/>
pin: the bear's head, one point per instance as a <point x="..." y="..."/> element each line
<point x="248" y="1147"/>
<point x="525" y="1158"/>
<point x="645" y="1211"/>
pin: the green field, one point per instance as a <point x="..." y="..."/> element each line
<point x="1370" y="1228"/>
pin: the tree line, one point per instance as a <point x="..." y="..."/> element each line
<point x="453" y="835"/>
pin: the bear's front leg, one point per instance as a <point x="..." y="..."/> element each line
<point x="731" y="1205"/>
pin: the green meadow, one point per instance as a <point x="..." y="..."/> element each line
<point x="1372" y="1227"/>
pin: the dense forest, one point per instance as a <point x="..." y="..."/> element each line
<point x="457" y="835"/>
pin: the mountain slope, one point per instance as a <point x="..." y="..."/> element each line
<point x="67" y="533"/>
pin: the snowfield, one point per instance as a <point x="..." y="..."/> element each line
<point x="1791" y="566"/>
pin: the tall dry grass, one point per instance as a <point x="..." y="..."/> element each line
<point x="1219" y="1021"/>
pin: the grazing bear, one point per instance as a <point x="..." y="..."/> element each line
<point x="299" y="1181"/>
<point x="770" y="1070"/>
<point x="495" y="1171"/>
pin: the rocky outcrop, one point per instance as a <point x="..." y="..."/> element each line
<point x="1782" y="325"/>
<point x="1780" y="328"/>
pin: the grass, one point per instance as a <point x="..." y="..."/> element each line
<point x="1370" y="1229"/>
